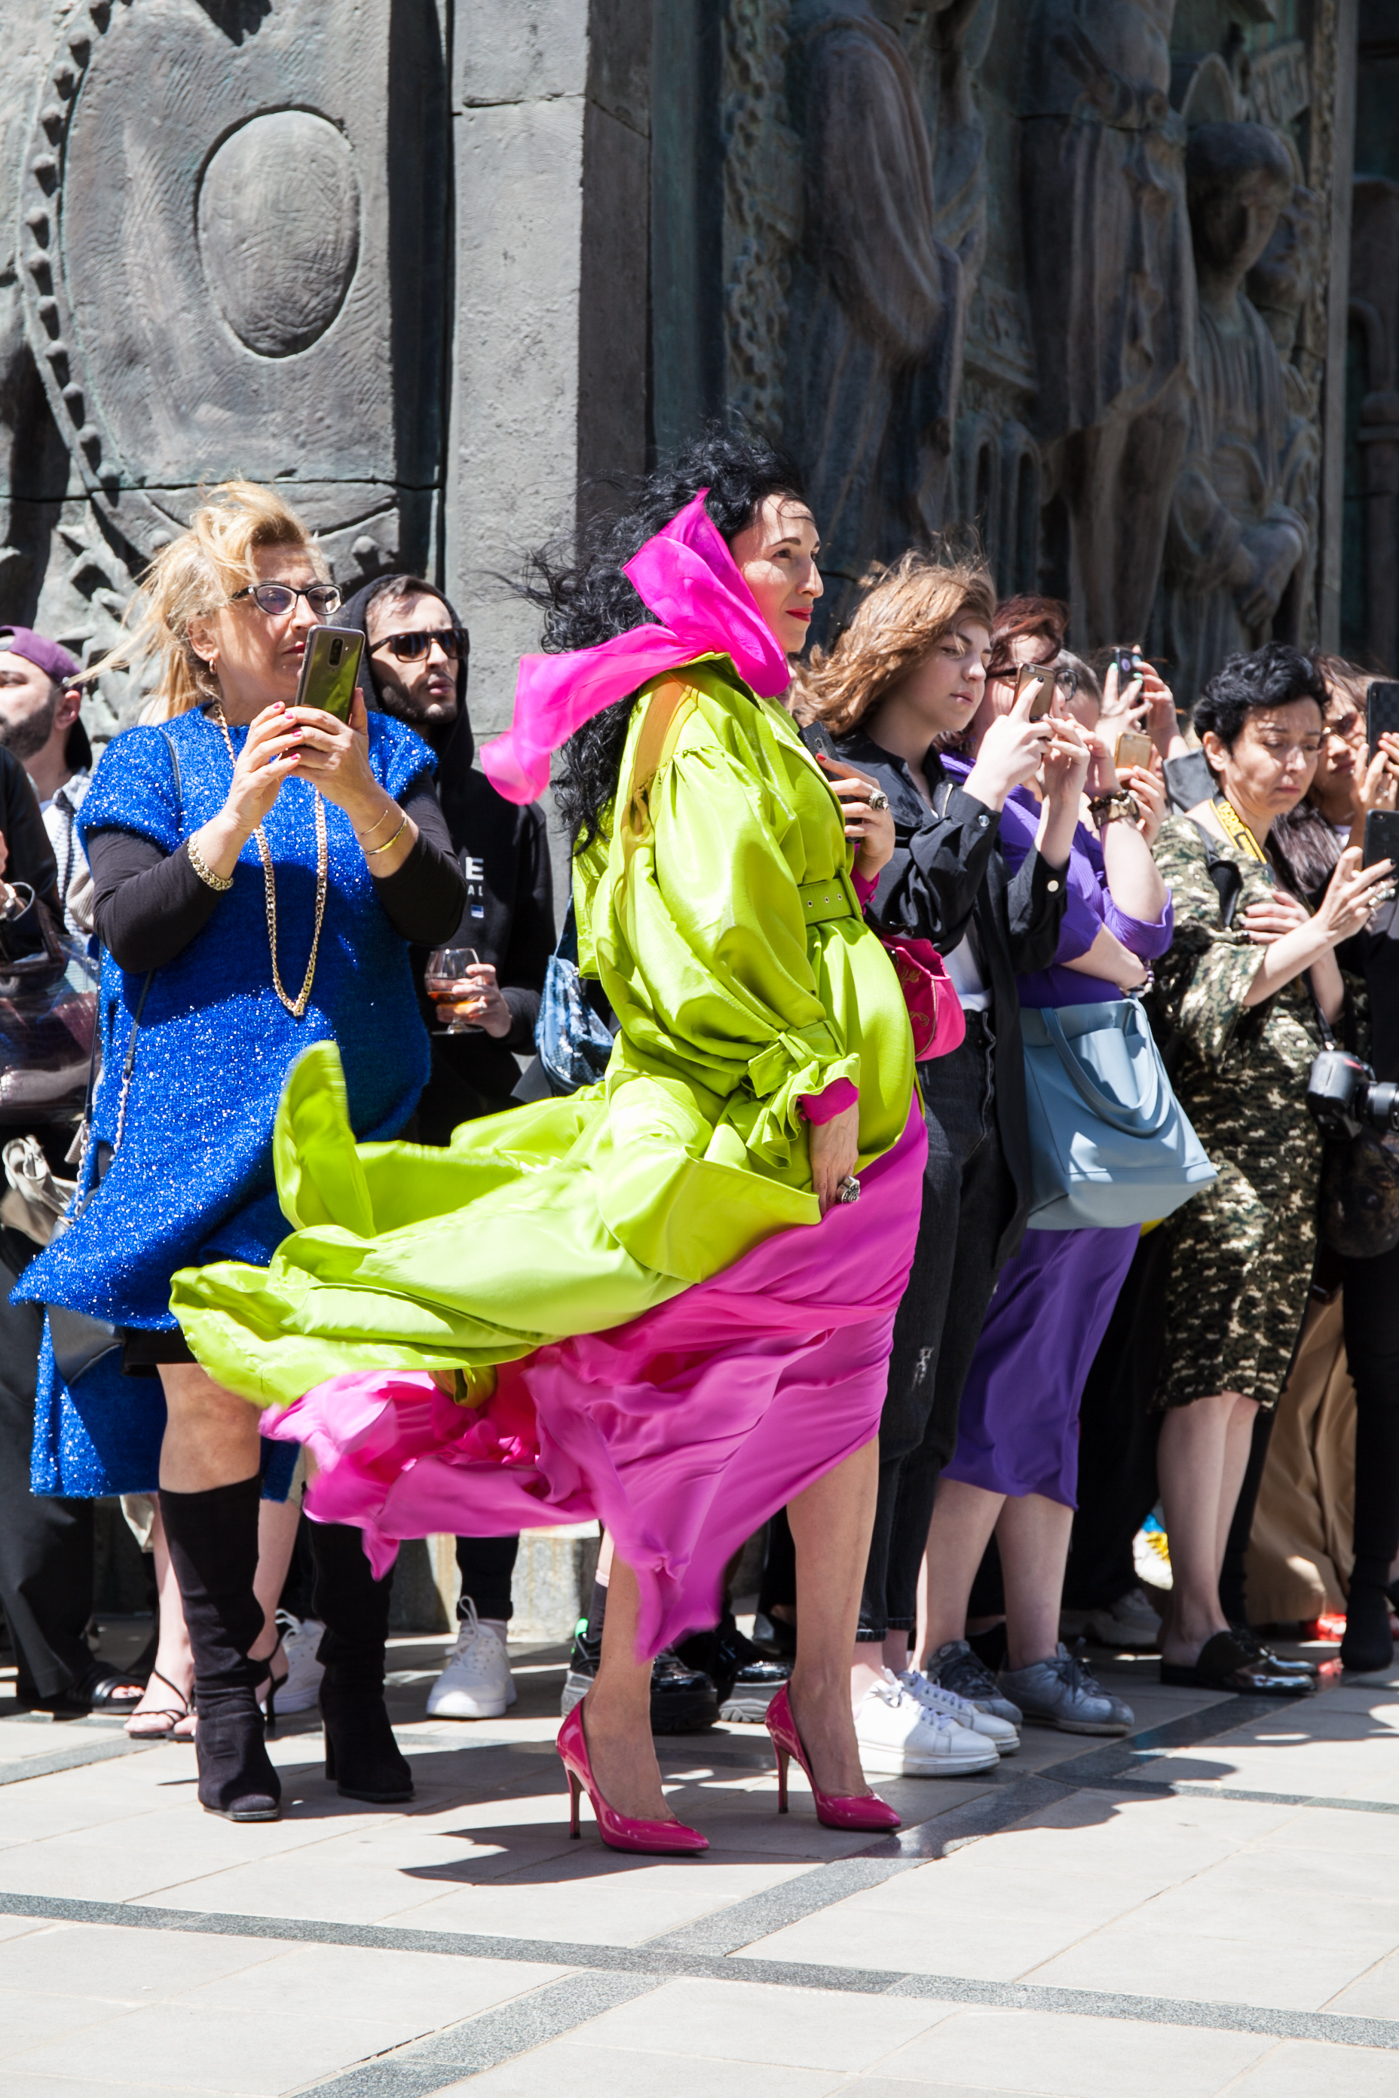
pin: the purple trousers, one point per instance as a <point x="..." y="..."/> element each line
<point x="1018" y="1431"/>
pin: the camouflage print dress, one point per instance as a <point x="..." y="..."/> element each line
<point x="1242" y="1251"/>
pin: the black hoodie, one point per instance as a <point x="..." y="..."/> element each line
<point x="503" y="851"/>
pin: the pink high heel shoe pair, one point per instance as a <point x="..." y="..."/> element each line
<point x="865" y="1810"/>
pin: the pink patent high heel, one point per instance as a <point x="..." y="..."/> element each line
<point x="865" y="1810"/>
<point x="618" y="1831"/>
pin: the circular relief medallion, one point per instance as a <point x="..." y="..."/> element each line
<point x="279" y="212"/>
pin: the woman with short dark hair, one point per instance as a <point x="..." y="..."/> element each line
<point x="1248" y="977"/>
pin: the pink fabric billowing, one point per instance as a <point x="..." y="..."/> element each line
<point x="682" y="1432"/>
<point x="689" y="579"/>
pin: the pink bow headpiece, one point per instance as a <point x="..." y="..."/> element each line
<point x="689" y="579"/>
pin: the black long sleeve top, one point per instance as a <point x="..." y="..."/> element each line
<point x="149" y="904"/>
<point x="947" y="878"/>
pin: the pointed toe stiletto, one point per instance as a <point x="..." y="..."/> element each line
<point x="618" y="1831"/>
<point x="862" y="1810"/>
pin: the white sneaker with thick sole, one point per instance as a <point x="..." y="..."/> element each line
<point x="899" y="1737"/>
<point x="476" y="1683"/>
<point x="300" y="1638"/>
<point x="933" y="1698"/>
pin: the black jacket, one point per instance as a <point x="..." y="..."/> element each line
<point x="29" y="858"/>
<point x="945" y="878"/>
<point x="504" y="855"/>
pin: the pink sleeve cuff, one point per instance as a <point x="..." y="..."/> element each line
<point x="864" y="887"/>
<point x="824" y="1107"/>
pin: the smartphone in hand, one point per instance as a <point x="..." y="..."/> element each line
<point x="1381" y="712"/>
<point x="819" y="741"/>
<point x="1381" y="837"/>
<point x="1042" y="676"/>
<point x="1133" y="748"/>
<point x="329" y="668"/>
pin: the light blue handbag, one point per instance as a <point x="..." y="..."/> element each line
<point x="1109" y="1143"/>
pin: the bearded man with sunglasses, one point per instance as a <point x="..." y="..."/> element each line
<point x="415" y="665"/>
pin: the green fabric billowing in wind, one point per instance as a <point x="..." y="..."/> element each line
<point x="575" y="1215"/>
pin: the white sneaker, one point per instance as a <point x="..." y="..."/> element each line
<point x="476" y="1683"/>
<point x="300" y="1638"/>
<point x="1131" y="1623"/>
<point x="899" y="1737"/>
<point x="933" y="1698"/>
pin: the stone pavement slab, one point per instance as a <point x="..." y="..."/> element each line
<point x="1211" y="1905"/>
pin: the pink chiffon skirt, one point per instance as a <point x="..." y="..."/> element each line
<point x="682" y="1432"/>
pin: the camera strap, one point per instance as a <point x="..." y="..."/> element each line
<point x="1237" y="831"/>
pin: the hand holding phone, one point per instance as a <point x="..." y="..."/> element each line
<point x="1040" y="675"/>
<point x="329" y="668"/>
<point x="1134" y="747"/>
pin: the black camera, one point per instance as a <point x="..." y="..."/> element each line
<point x="1345" y="1097"/>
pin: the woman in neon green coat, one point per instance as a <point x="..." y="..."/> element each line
<point x="656" y="1297"/>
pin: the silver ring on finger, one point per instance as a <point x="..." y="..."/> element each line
<point x="879" y="799"/>
<point x="848" y="1190"/>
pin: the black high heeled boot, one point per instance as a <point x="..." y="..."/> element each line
<point x="361" y="1755"/>
<point x="1368" y="1644"/>
<point x="213" y="1548"/>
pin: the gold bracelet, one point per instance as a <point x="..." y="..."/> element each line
<point x="204" y="870"/>
<point x="391" y="809"/>
<point x="388" y="841"/>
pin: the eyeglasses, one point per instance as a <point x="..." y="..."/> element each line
<point x="454" y="642"/>
<point x="278" y="598"/>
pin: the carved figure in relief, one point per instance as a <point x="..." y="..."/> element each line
<point x="1280" y="286"/>
<point x="1107" y="257"/>
<point x="874" y="345"/>
<point x="32" y="457"/>
<point x="1239" y="541"/>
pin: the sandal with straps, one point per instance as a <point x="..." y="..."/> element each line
<point x="171" y="1717"/>
<point x="271" y="1683"/>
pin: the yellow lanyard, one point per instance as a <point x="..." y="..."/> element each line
<point x="1237" y="831"/>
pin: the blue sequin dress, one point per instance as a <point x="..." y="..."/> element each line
<point x="191" y="1180"/>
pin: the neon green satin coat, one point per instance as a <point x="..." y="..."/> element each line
<point x="702" y="915"/>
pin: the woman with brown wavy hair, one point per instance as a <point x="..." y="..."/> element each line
<point x="903" y="682"/>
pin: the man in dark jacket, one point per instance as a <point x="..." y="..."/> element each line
<point x="415" y="667"/>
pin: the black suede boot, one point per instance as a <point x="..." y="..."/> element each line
<point x="1368" y="1644"/>
<point x="213" y="1548"/>
<point x="361" y="1755"/>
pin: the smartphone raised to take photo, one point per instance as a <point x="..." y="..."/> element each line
<point x="818" y="740"/>
<point x="1041" y="675"/>
<point x="1381" y="836"/>
<point x="1381" y="712"/>
<point x="329" y="668"/>
<point x="1133" y="748"/>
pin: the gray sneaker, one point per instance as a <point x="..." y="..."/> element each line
<point x="956" y="1667"/>
<point x="1064" y="1692"/>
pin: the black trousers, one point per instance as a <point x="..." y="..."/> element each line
<point x="46" y="1545"/>
<point x="968" y="1197"/>
<point x="1118" y="1429"/>
<point x="486" y="1564"/>
<point x="1372" y="1352"/>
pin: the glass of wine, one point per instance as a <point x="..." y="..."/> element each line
<point x="447" y="966"/>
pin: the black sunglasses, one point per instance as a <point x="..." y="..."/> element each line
<point x="454" y="642"/>
<point x="277" y="598"/>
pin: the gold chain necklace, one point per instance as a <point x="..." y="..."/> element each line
<point x="297" y="1006"/>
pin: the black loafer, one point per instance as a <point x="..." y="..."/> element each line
<point x="745" y="1678"/>
<point x="1278" y="1663"/>
<point x="1227" y="1663"/>
<point x="683" y="1700"/>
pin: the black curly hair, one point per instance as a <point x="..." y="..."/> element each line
<point x="587" y="599"/>
<point x="1271" y="676"/>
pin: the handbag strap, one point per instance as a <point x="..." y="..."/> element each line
<point x="1127" y="1121"/>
